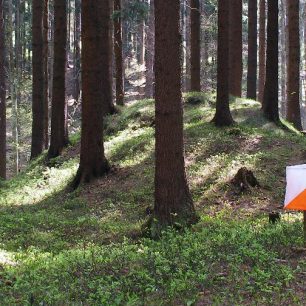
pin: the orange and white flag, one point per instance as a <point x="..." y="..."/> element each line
<point x="296" y="187"/>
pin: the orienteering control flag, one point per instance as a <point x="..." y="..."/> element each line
<point x="296" y="187"/>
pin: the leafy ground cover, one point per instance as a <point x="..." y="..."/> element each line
<point x="86" y="247"/>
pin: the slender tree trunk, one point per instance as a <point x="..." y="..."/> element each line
<point x="252" y="50"/>
<point x="183" y="26"/>
<point x="187" y="79"/>
<point x="12" y="83"/>
<point x="305" y="48"/>
<point x="118" y="53"/>
<point x="149" y="89"/>
<point x="235" y="48"/>
<point x="107" y="55"/>
<point x="111" y="54"/>
<point x="2" y="95"/>
<point x="173" y="202"/>
<point x="95" y="69"/>
<point x="38" y="132"/>
<point x="283" y="56"/>
<point x="293" y="69"/>
<point x="77" y="34"/>
<point x="223" y="115"/>
<point x="59" y="133"/>
<point x="141" y="42"/>
<point x="51" y="49"/>
<point x="46" y="80"/>
<point x="195" y="46"/>
<point x="270" y="106"/>
<point x="262" y="49"/>
<point x="68" y="32"/>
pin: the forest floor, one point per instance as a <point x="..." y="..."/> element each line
<point x="86" y="247"/>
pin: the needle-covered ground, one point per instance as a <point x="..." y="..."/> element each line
<point x="85" y="247"/>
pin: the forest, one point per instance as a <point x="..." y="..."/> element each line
<point x="152" y="152"/>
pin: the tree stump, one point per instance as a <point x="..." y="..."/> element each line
<point x="244" y="180"/>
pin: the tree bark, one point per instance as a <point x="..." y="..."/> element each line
<point x="195" y="54"/>
<point x="38" y="131"/>
<point x="141" y="42"/>
<point x="283" y="37"/>
<point x="118" y="53"/>
<point x="59" y="129"/>
<point x="149" y="88"/>
<point x="293" y="68"/>
<point x="270" y="106"/>
<point x="107" y="56"/>
<point x="252" y="50"/>
<point x="262" y="49"/>
<point x="95" y="70"/>
<point x="46" y="77"/>
<point x="173" y="202"/>
<point x="223" y="115"/>
<point x="2" y="95"/>
<point x="187" y="79"/>
<point x="77" y="56"/>
<point x="235" y="48"/>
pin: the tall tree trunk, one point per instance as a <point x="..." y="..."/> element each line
<point x="95" y="69"/>
<point x="262" y="49"/>
<point x="184" y="28"/>
<point x="223" y="115"/>
<point x="270" y="105"/>
<point x="59" y="132"/>
<point x="141" y="42"/>
<point x="173" y="202"/>
<point x="187" y="80"/>
<point x="149" y="89"/>
<point x="235" y="48"/>
<point x="293" y="69"/>
<point x="195" y="53"/>
<point x="107" y="55"/>
<point x="46" y="80"/>
<point x="305" y="48"/>
<point x="12" y="82"/>
<point x="252" y="50"/>
<point x="118" y="53"/>
<point x="283" y="56"/>
<point x="38" y="131"/>
<point x="51" y="49"/>
<point x="111" y="54"/>
<point x="77" y="56"/>
<point x="2" y="95"/>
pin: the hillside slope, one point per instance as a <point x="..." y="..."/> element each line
<point x="85" y="247"/>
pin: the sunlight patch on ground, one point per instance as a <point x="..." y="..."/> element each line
<point x="6" y="258"/>
<point x="50" y="181"/>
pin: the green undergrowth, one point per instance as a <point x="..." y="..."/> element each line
<point x="85" y="247"/>
<point x="220" y="262"/>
